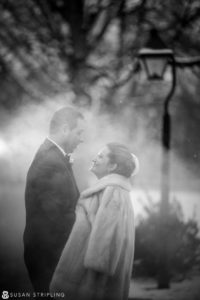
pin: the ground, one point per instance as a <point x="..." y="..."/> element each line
<point x="189" y="289"/>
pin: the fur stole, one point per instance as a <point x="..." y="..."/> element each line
<point x="109" y="180"/>
<point x="109" y="226"/>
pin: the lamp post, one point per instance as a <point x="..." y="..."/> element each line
<point x="155" y="58"/>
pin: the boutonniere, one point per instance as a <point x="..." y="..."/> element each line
<point x="71" y="160"/>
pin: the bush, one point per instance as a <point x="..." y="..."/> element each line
<point x="182" y="243"/>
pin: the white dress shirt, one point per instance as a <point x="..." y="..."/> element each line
<point x="60" y="148"/>
<point x="71" y="159"/>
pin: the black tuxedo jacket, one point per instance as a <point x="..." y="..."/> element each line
<point x="51" y="195"/>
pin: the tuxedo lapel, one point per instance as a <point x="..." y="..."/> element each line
<point x="49" y="146"/>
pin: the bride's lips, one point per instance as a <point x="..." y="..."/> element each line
<point x="93" y="165"/>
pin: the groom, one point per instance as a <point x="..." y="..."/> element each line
<point x="50" y="197"/>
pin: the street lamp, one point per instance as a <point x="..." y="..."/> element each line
<point x="156" y="58"/>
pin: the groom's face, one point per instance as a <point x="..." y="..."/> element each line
<point x="73" y="137"/>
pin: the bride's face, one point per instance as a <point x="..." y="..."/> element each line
<point x="101" y="165"/>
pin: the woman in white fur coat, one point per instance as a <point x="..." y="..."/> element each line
<point x="96" y="263"/>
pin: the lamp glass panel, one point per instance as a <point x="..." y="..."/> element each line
<point x="168" y="76"/>
<point x="155" y="67"/>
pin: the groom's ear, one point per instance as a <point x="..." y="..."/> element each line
<point x="65" y="128"/>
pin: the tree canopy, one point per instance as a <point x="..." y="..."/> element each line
<point x="50" y="46"/>
<point x="89" y="47"/>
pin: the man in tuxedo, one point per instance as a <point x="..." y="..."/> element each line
<point x="51" y="195"/>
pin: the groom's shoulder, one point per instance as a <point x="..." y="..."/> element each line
<point x="46" y="155"/>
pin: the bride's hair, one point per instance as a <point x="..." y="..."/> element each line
<point x="123" y="158"/>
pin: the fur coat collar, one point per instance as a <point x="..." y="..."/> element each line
<point x="109" y="180"/>
<point x="110" y="216"/>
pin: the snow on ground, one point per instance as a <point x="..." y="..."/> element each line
<point x="189" y="289"/>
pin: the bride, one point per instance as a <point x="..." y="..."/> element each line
<point x="96" y="263"/>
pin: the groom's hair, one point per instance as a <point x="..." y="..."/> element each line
<point x="66" y="115"/>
